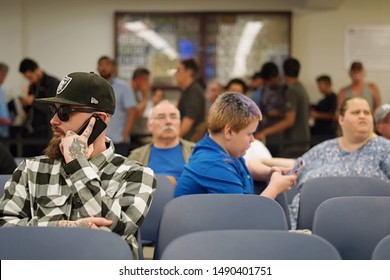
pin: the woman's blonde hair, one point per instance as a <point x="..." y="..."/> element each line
<point x="344" y="104"/>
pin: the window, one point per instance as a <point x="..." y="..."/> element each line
<point x="226" y="45"/>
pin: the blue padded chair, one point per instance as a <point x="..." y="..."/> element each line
<point x="18" y="160"/>
<point x="57" y="243"/>
<point x="354" y="225"/>
<point x="382" y="249"/>
<point x="163" y="194"/>
<point x="202" y="212"/>
<point x="282" y="199"/>
<point x="291" y="194"/>
<point x="318" y="190"/>
<point x="249" y="245"/>
<point x="3" y="179"/>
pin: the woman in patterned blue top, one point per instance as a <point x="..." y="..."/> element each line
<point x="358" y="152"/>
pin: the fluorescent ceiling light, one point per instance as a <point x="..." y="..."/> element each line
<point x="159" y="43"/>
<point x="250" y="31"/>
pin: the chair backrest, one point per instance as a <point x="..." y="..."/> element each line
<point x="382" y="249"/>
<point x="3" y="179"/>
<point x="282" y="199"/>
<point x="202" y="212"/>
<point x="249" y="245"/>
<point x="18" y="160"/>
<point x="354" y="225"/>
<point x="163" y="194"/>
<point x="54" y="243"/>
<point x="318" y="190"/>
<point x="291" y="194"/>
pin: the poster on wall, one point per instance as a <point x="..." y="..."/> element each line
<point x="369" y="44"/>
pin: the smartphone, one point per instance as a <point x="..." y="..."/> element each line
<point x="98" y="128"/>
<point x="297" y="167"/>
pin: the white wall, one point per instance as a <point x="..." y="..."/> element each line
<point x="10" y="42"/>
<point x="66" y="36"/>
<point x="318" y="42"/>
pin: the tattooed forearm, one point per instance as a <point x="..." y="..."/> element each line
<point x="82" y="224"/>
<point x="78" y="149"/>
<point x="67" y="224"/>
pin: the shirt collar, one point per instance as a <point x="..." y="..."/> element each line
<point x="99" y="160"/>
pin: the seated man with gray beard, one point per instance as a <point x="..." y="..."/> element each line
<point x="167" y="153"/>
<point x="80" y="182"/>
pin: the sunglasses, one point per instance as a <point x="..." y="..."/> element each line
<point x="63" y="113"/>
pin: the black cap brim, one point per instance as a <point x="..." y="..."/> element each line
<point x="58" y="100"/>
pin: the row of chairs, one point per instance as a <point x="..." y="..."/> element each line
<point x="353" y="225"/>
<point x="200" y="213"/>
<point x="314" y="193"/>
<point x="260" y="245"/>
<point x="43" y="243"/>
<point x="318" y="190"/>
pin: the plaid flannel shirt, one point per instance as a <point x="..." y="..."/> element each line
<point x="42" y="192"/>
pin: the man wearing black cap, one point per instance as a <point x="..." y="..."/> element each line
<point x="76" y="184"/>
<point x="359" y="87"/>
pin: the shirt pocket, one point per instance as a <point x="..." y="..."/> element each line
<point x="56" y="197"/>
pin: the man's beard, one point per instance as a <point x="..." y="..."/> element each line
<point x="53" y="149"/>
<point x="106" y="75"/>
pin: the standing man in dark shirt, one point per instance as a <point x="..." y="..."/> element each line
<point x="272" y="103"/>
<point x="295" y="123"/>
<point x="272" y="100"/>
<point x="324" y="113"/>
<point x="38" y="118"/>
<point x="192" y="102"/>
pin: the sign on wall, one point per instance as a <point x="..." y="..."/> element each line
<point x="369" y="44"/>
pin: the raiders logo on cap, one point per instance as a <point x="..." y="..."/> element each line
<point x="63" y="84"/>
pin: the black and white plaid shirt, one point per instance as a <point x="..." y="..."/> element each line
<point x="42" y="192"/>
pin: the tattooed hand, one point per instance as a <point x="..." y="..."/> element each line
<point x="91" y="222"/>
<point x="74" y="146"/>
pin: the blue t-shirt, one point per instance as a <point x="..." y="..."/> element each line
<point x="211" y="170"/>
<point x="169" y="162"/>
<point x="4" y="130"/>
<point x="124" y="99"/>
